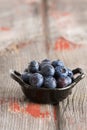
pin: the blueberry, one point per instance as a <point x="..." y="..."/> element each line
<point x="50" y="82"/>
<point x="46" y="61"/>
<point x="47" y="70"/>
<point x="42" y="64"/>
<point x="36" y="80"/>
<point x="25" y="77"/>
<point x="33" y="67"/>
<point x="57" y="63"/>
<point x="61" y="71"/>
<point x="63" y="81"/>
<point x="70" y="73"/>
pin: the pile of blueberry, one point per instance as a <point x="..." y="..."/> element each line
<point x="47" y="74"/>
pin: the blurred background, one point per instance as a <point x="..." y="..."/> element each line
<point x="45" y="21"/>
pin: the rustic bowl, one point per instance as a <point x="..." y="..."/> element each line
<point x="46" y="95"/>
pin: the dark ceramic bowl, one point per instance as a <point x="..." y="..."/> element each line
<point x="47" y="95"/>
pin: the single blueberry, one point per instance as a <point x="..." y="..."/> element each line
<point x="46" y="61"/>
<point x="25" y="77"/>
<point x="63" y="81"/>
<point x="61" y="70"/>
<point x="47" y="70"/>
<point x="42" y="64"/>
<point x="36" y="80"/>
<point x="50" y="82"/>
<point x="57" y="63"/>
<point x="33" y="67"/>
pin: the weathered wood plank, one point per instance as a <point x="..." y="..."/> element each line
<point x="17" y="25"/>
<point x="23" y="115"/>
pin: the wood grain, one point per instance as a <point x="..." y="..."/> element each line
<point x="18" y="21"/>
<point x="52" y="117"/>
<point x="22" y="39"/>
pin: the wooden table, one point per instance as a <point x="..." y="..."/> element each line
<point x="23" y="41"/>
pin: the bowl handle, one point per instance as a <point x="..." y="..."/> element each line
<point x="80" y="76"/>
<point x="16" y="76"/>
